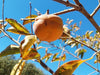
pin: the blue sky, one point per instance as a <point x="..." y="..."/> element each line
<point x="18" y="9"/>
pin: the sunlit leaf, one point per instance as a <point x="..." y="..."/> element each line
<point x="87" y="35"/>
<point x="69" y="67"/>
<point x="31" y="54"/>
<point x="47" y="55"/>
<point x="70" y="21"/>
<point x="83" y="42"/>
<point x="40" y="47"/>
<point x="80" y="52"/>
<point x="73" y="45"/>
<point x="90" y="32"/>
<point x="56" y="59"/>
<point x="63" y="58"/>
<point x="97" y="58"/>
<point x="47" y="59"/>
<point x="29" y="21"/>
<point x="27" y="43"/>
<point x="17" y="69"/>
<point x="55" y="55"/>
<point x="20" y="28"/>
<point x="11" y="49"/>
<point x="13" y="30"/>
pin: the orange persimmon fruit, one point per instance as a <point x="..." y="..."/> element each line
<point x="48" y="27"/>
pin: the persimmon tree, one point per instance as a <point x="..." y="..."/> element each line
<point x="30" y="46"/>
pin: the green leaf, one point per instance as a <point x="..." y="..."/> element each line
<point x="29" y="21"/>
<point x="20" y="28"/>
<point x="11" y="49"/>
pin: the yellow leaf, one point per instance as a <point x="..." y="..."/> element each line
<point x="13" y="30"/>
<point x="69" y="67"/>
<point x="47" y="55"/>
<point x="27" y="43"/>
<point x="63" y="58"/>
<point x="17" y="26"/>
<point x="29" y="21"/>
<point x="17" y="69"/>
<point x="31" y="54"/>
<point x="97" y="58"/>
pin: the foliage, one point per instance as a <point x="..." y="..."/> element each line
<point x="8" y="62"/>
<point x="29" y="46"/>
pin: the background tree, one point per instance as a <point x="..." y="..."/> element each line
<point x="7" y="63"/>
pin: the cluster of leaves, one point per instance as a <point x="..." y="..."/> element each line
<point x="28" y="49"/>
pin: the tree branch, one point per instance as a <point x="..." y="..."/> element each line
<point x="46" y="67"/>
<point x="65" y="11"/>
<point x="80" y="42"/>
<point x="77" y="2"/>
<point x="84" y="62"/>
<point x="95" y="10"/>
<point x="67" y="3"/>
<point x="3" y="14"/>
<point x="74" y="56"/>
<point x="82" y="10"/>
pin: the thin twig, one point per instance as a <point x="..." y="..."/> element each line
<point x="44" y="66"/>
<point x="23" y="19"/>
<point x="82" y="10"/>
<point x="84" y="62"/>
<point x="2" y="36"/>
<point x="10" y="37"/>
<point x="67" y="3"/>
<point x="92" y="72"/>
<point x="77" y="2"/>
<point x="60" y="57"/>
<point x="65" y="11"/>
<point x="19" y="38"/>
<point x="3" y="13"/>
<point x="95" y="10"/>
<point x="30" y="17"/>
<point x="75" y="56"/>
<point x="57" y="13"/>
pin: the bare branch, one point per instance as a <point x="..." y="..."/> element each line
<point x="23" y="19"/>
<point x="67" y="3"/>
<point x="95" y="10"/>
<point x="46" y="67"/>
<point x="77" y="2"/>
<point x="30" y="17"/>
<point x="82" y="10"/>
<point x="65" y="11"/>
<point x="3" y="13"/>
<point x="10" y="37"/>
<point x="2" y="36"/>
